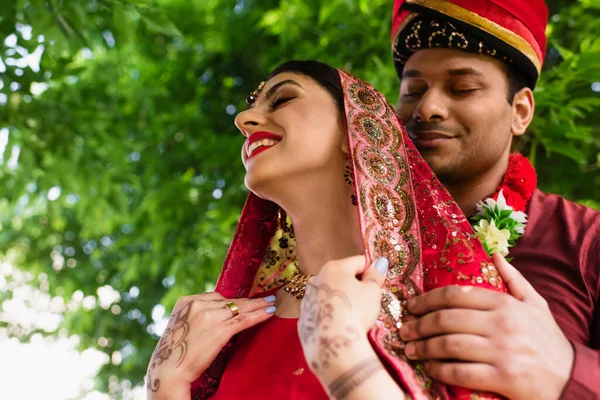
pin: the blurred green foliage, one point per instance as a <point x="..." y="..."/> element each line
<point x="121" y="164"/>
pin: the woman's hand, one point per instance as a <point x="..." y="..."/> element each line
<point x="338" y="309"/>
<point x="199" y="327"/>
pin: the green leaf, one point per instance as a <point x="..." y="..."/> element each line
<point x="156" y="21"/>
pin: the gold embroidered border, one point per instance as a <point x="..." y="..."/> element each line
<point x="403" y="24"/>
<point x="469" y="17"/>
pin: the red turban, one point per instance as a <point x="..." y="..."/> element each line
<point x="511" y="30"/>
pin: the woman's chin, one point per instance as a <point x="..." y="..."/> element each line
<point x="262" y="186"/>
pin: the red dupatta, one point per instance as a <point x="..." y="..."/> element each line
<point x="405" y="214"/>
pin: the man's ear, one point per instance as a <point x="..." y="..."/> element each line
<point x="523" y="107"/>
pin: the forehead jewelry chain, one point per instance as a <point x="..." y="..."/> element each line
<point x="254" y="95"/>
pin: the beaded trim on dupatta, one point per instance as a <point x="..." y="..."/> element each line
<point x="409" y="217"/>
<point x="405" y="214"/>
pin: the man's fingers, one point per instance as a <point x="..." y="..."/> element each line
<point x="463" y="347"/>
<point x="440" y="322"/>
<point x="455" y="297"/>
<point x="475" y="376"/>
<point x="517" y="285"/>
<point x="377" y="272"/>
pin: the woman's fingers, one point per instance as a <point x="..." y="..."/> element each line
<point x="354" y="265"/>
<point x="209" y="296"/>
<point x="205" y="342"/>
<point x="377" y="272"/>
<point x="223" y="311"/>
<point x="244" y="321"/>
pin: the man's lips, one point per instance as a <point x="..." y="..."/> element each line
<point x="429" y="139"/>
<point x="259" y="142"/>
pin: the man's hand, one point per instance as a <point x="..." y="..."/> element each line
<point x="485" y="340"/>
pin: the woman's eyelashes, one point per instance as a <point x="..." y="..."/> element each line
<point x="279" y="100"/>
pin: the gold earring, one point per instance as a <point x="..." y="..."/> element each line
<point x="348" y="173"/>
<point x="348" y="179"/>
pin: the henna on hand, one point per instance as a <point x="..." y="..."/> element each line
<point x="329" y="346"/>
<point x="172" y="341"/>
<point x="341" y="387"/>
<point x="318" y="308"/>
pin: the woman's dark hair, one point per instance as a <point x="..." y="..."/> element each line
<point x="327" y="77"/>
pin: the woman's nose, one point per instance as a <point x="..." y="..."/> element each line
<point x="248" y="121"/>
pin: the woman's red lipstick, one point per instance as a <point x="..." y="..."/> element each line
<point x="257" y="136"/>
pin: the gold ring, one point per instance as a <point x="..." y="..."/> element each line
<point x="234" y="309"/>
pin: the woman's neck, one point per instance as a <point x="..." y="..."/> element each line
<point x="326" y="225"/>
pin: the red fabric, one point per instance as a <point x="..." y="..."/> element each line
<point x="560" y="256"/>
<point x="256" y="226"/>
<point x="585" y="378"/>
<point x="252" y="376"/>
<point x="527" y="19"/>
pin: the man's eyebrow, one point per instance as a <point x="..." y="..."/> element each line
<point x="271" y="92"/>
<point x="464" y="71"/>
<point x="411" y="73"/>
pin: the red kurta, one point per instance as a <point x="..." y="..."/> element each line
<point x="560" y="256"/>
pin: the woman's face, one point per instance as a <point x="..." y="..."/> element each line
<point x="293" y="134"/>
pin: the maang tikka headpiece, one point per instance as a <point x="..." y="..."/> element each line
<point x="254" y="95"/>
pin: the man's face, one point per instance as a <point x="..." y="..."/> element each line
<point x="454" y="105"/>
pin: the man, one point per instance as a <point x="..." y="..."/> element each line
<point x="467" y="69"/>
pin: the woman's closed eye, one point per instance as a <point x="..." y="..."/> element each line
<point x="279" y="100"/>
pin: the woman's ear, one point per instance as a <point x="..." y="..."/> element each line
<point x="344" y="129"/>
<point x="345" y="146"/>
<point x="523" y="107"/>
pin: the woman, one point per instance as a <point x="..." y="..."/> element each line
<point x="325" y="150"/>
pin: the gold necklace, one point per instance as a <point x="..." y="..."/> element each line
<point x="297" y="284"/>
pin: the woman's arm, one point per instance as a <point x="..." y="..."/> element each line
<point x="360" y="375"/>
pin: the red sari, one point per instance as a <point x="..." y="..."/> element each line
<point x="284" y="377"/>
<point x="406" y="215"/>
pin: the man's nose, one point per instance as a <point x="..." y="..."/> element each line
<point x="431" y="107"/>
